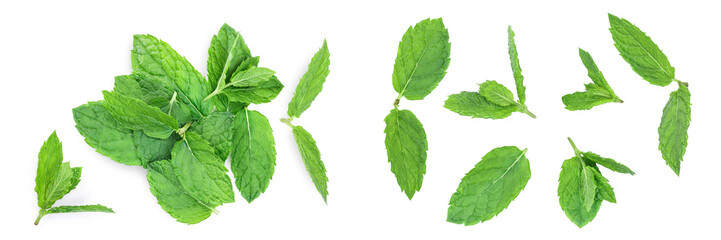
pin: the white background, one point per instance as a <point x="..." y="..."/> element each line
<point x="57" y="55"/>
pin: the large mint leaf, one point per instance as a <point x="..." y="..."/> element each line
<point x="422" y="60"/>
<point x="570" y="193"/>
<point x="311" y="159"/>
<point x="200" y="172"/>
<point x="406" y="146"/>
<point x="490" y="186"/>
<point x="137" y="115"/>
<point x="216" y="129"/>
<point x="252" y="154"/>
<point x="673" y="131"/>
<point x="473" y="104"/>
<point x="173" y="198"/>
<point x="311" y="83"/>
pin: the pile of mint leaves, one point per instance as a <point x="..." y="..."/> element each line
<point x="167" y="118"/>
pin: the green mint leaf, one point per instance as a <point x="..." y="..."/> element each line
<point x="173" y="198"/>
<point x="641" y="52"/>
<point x="137" y="115"/>
<point x="490" y="186"/>
<point x="252" y="77"/>
<point x="497" y="93"/>
<point x="588" y="187"/>
<point x="153" y="57"/>
<point x="216" y="129"/>
<point x="516" y="67"/>
<point x="311" y="83"/>
<point x="605" y="190"/>
<point x="82" y="208"/>
<point x="406" y="146"/>
<point x="423" y="57"/>
<point x="262" y="93"/>
<point x="200" y="172"/>
<point x="673" y="131"/>
<point x="597" y="93"/>
<point x="571" y="198"/>
<point x="607" y="162"/>
<point x="110" y="138"/>
<point x="311" y="159"/>
<point x="253" y="154"/>
<point x="473" y="104"/>
<point x="156" y="93"/>
<point x="226" y="53"/>
<point x="54" y="178"/>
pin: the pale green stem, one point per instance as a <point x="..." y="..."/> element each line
<point x="287" y="121"/>
<point x="185" y="128"/>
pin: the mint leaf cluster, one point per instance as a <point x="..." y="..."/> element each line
<point x="181" y="127"/>
<point x="56" y="178"/>
<point x="581" y="186"/>
<point x="307" y="90"/>
<point x="597" y="93"/>
<point x="649" y="62"/>
<point x="421" y="63"/>
<point x="493" y="100"/>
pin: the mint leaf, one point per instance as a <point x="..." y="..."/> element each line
<point x="497" y="93"/>
<point x="311" y="83"/>
<point x="607" y="162"/>
<point x="200" y="172"/>
<point x="406" y="146"/>
<point x="254" y="76"/>
<point x="154" y="92"/>
<point x="82" y="208"/>
<point x="673" y="131"/>
<point x="137" y="115"/>
<point x="55" y="178"/>
<point x="422" y="60"/>
<point x="311" y="159"/>
<point x="153" y="57"/>
<point x="490" y="186"/>
<point x="473" y="104"/>
<point x="264" y="92"/>
<point x="597" y="93"/>
<point x="641" y="52"/>
<point x="227" y="54"/>
<point x="173" y="198"/>
<point x="253" y="154"/>
<point x="216" y="129"/>
<point x="516" y="66"/>
<point x="581" y="186"/>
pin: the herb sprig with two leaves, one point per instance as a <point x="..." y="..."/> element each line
<point x="597" y="93"/>
<point x="166" y="118"/>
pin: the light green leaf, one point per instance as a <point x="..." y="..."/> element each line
<point x="406" y="146"/>
<point x="200" y="172"/>
<point x="154" y="92"/>
<point x="110" y="138"/>
<point x="605" y="191"/>
<point x="137" y="115"/>
<point x="422" y="60"/>
<point x="490" y="186"/>
<point x="571" y="197"/>
<point x="263" y="93"/>
<point x="173" y="198"/>
<point x="588" y="187"/>
<point x="252" y="77"/>
<point x="641" y="52"/>
<point x="593" y="72"/>
<point x="673" y="131"/>
<point x="607" y="162"/>
<point x="54" y="178"/>
<point x="153" y="57"/>
<point x="473" y="104"/>
<point x="311" y="159"/>
<point x="516" y="67"/>
<point x="253" y="153"/>
<point x="496" y="93"/>
<point x="597" y="93"/>
<point x="311" y="83"/>
<point x="227" y="51"/>
<point x="82" y="208"/>
<point x="216" y="129"/>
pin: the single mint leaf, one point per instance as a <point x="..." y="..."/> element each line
<point x="588" y="187"/>
<point x="490" y="186"/>
<point x="597" y="93"/>
<point x="82" y="208"/>
<point x="422" y="60"/>
<point x="311" y="83"/>
<point x="153" y="57"/>
<point x="200" y="172"/>
<point x="605" y="190"/>
<point x="570" y="194"/>
<point x="137" y="115"/>
<point x="516" y="67"/>
<point x="607" y="162"/>
<point x="311" y="159"/>
<point x="252" y="77"/>
<point x="473" y="104"/>
<point x="497" y="93"/>
<point x="262" y="93"/>
<point x="253" y="154"/>
<point x="216" y="129"/>
<point x="641" y="52"/>
<point x="673" y="131"/>
<point x="173" y="198"/>
<point x="406" y="146"/>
